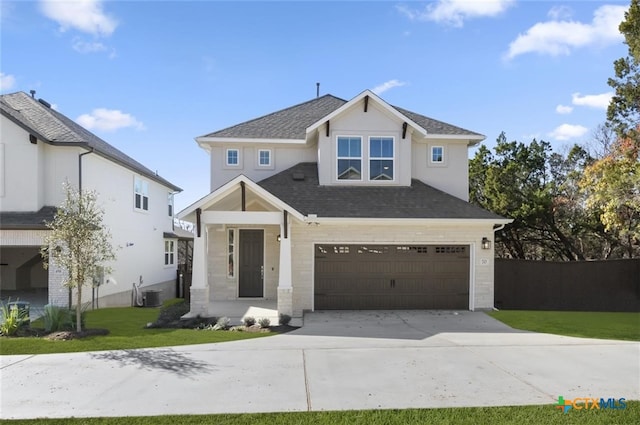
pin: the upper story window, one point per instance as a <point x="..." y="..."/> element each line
<point x="141" y="194"/>
<point x="437" y="154"/>
<point x="233" y="157"/>
<point x="349" y="158"/>
<point x="264" y="157"/>
<point x="381" y="158"/>
<point x="170" y="204"/>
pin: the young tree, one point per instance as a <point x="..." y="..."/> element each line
<point x="78" y="242"/>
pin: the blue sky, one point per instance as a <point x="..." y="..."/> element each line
<point x="149" y="76"/>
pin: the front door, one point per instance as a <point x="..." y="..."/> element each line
<point x="251" y="263"/>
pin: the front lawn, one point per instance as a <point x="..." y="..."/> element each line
<point x="126" y="327"/>
<point x="546" y="414"/>
<point x="574" y="323"/>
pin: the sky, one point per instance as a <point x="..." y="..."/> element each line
<point x="150" y="76"/>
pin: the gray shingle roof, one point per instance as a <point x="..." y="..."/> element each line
<point x="27" y="220"/>
<point x="52" y="127"/>
<point x="416" y="201"/>
<point x="292" y="122"/>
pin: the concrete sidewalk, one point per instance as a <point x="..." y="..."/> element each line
<point x="364" y="360"/>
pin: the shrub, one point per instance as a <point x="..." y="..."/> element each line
<point x="222" y="324"/>
<point x="264" y="322"/>
<point x="58" y="318"/>
<point x="12" y="319"/>
<point x="284" y="319"/>
<point x="249" y="321"/>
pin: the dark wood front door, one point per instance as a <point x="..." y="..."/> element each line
<point x="251" y="263"/>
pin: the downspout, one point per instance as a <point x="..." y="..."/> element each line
<point x="93" y="289"/>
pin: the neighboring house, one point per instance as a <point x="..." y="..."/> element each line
<point x="39" y="150"/>
<point x="334" y="204"/>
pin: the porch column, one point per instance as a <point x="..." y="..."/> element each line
<point x="285" y="289"/>
<point x="199" y="280"/>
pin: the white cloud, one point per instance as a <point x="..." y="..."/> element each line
<point x="568" y="131"/>
<point x="599" y="101"/>
<point x="560" y="12"/>
<point x="387" y="85"/>
<point x="7" y="81"/>
<point x="455" y="12"/>
<point x="562" y="109"/>
<point x="108" y="120"/>
<point x="87" y="16"/>
<point x="560" y="37"/>
<point x="88" y="47"/>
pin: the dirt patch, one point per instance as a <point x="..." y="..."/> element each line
<point x="68" y="335"/>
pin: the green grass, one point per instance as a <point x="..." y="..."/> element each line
<point x="624" y="326"/>
<point x="519" y="415"/>
<point x="126" y="331"/>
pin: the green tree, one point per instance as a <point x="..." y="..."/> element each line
<point x="612" y="186"/>
<point x="623" y="113"/>
<point x="78" y="242"/>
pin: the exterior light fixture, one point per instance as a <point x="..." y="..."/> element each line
<point x="486" y="243"/>
<point x="278" y="238"/>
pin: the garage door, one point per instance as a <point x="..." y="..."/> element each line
<point x="391" y="277"/>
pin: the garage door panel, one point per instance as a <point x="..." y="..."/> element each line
<point x="391" y="277"/>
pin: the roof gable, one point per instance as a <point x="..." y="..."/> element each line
<point x="54" y="128"/>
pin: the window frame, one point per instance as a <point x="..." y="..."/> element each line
<point x="238" y="158"/>
<point x="169" y="252"/>
<point x="392" y="158"/>
<point x="143" y="194"/>
<point x="442" y="155"/>
<point x="232" y="243"/>
<point x="170" y="204"/>
<point x="350" y="158"/>
<point x="259" y="158"/>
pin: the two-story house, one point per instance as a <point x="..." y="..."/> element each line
<point x="40" y="149"/>
<point x="334" y="204"/>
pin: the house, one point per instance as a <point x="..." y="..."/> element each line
<point x="40" y="149"/>
<point x="335" y="204"/>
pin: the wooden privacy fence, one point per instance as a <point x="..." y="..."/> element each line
<point x="612" y="285"/>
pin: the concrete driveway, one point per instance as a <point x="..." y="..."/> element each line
<point x="337" y="361"/>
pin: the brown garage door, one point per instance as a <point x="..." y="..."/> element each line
<point x="384" y="277"/>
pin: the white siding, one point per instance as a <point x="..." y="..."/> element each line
<point x="452" y="176"/>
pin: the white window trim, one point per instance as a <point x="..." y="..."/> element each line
<point x="270" y="164"/>
<point x="170" y="205"/>
<point x="370" y="158"/>
<point x="444" y="155"/>
<point x="226" y="158"/>
<point x="142" y="194"/>
<point x="232" y="272"/>
<point x="170" y="253"/>
<point x="361" y="158"/>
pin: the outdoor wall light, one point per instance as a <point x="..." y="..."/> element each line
<point x="278" y="238"/>
<point x="486" y="243"/>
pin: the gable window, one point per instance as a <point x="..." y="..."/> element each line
<point x="141" y="194"/>
<point x="437" y="154"/>
<point x="169" y="256"/>
<point x="233" y="157"/>
<point x="349" y="158"/>
<point x="381" y="158"/>
<point x="264" y="157"/>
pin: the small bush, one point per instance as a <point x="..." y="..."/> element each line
<point x="284" y="319"/>
<point x="58" y="318"/>
<point x="249" y="321"/>
<point x="264" y="322"/>
<point x="222" y="324"/>
<point x="12" y="319"/>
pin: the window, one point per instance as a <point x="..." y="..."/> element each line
<point x="231" y="248"/>
<point x="233" y="157"/>
<point x="141" y="194"/>
<point x="437" y="154"/>
<point x="170" y="204"/>
<point x="381" y="158"/>
<point x="349" y="158"/>
<point x="264" y="157"/>
<point x="168" y="253"/>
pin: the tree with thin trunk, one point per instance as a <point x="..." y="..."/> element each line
<point x="78" y="242"/>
